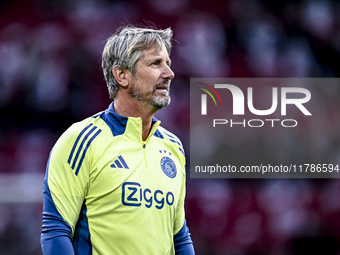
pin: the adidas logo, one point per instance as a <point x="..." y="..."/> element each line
<point x="119" y="163"/>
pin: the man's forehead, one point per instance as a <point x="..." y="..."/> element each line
<point x="155" y="51"/>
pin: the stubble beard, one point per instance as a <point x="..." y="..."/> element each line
<point x="154" y="98"/>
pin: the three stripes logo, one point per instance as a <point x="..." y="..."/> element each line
<point x="90" y="132"/>
<point x="119" y="163"/>
<point x="204" y="97"/>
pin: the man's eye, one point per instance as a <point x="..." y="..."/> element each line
<point x="155" y="63"/>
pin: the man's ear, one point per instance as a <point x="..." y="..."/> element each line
<point x="121" y="76"/>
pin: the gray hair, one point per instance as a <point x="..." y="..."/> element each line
<point x="124" y="48"/>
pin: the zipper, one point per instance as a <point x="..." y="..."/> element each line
<point x="144" y="152"/>
<point x="155" y="126"/>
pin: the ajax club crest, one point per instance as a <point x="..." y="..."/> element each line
<point x="168" y="166"/>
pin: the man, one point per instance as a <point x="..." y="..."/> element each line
<point x="115" y="182"/>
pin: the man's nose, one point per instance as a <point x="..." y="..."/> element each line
<point x="168" y="73"/>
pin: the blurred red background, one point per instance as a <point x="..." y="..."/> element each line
<point x="50" y="77"/>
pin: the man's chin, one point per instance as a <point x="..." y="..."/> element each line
<point x="159" y="103"/>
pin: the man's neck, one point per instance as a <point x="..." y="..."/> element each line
<point x="134" y="108"/>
